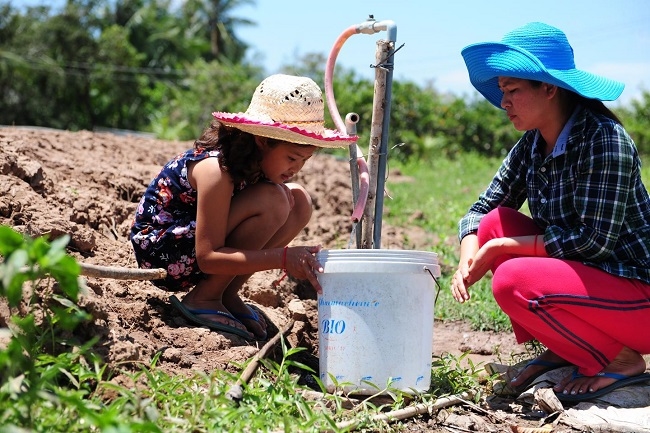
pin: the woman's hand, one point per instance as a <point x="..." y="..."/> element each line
<point x="470" y="272"/>
<point x="460" y="282"/>
<point x="459" y="285"/>
<point x="301" y="263"/>
<point x="481" y="263"/>
<point x="476" y="262"/>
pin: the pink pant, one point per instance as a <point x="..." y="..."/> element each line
<point x="581" y="313"/>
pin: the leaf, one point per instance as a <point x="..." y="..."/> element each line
<point x="13" y="276"/>
<point x="59" y="244"/>
<point x="56" y="252"/>
<point x="10" y="240"/>
<point x="300" y="365"/>
<point x="14" y="291"/>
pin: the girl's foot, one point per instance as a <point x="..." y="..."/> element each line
<point x="248" y="315"/>
<point x="211" y="316"/>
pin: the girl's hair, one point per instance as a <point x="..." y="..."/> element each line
<point x="239" y="155"/>
<point x="593" y="105"/>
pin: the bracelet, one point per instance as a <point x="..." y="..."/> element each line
<point x="277" y="282"/>
<point x="284" y="259"/>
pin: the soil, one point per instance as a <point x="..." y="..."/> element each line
<point x="87" y="184"/>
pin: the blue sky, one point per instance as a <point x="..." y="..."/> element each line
<point x="609" y="37"/>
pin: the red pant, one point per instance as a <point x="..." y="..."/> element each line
<point x="581" y="313"/>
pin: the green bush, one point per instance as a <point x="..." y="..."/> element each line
<point x="37" y="363"/>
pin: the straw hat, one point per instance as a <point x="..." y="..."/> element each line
<point x="287" y="108"/>
<point x="536" y="51"/>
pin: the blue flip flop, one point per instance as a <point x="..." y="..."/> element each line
<point x="548" y="366"/>
<point x="192" y="316"/>
<point x="255" y="316"/>
<point x="621" y="381"/>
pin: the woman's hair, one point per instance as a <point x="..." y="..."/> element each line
<point x="593" y="105"/>
<point x="239" y="155"/>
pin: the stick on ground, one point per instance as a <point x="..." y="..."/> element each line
<point x="408" y="412"/>
<point x="236" y="392"/>
<point x="121" y="273"/>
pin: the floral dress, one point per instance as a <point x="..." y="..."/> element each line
<point x="164" y="228"/>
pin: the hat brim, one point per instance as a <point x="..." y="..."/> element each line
<point x="486" y="62"/>
<point x="279" y="131"/>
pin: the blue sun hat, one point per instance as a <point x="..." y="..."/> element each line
<point x="536" y="51"/>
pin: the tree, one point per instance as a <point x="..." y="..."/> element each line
<point x="219" y="25"/>
<point x="636" y="120"/>
<point x="46" y="65"/>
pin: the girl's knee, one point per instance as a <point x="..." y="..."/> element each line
<point x="302" y="206"/>
<point x="278" y="204"/>
<point x="273" y="202"/>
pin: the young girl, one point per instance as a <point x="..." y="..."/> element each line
<point x="575" y="276"/>
<point x="225" y="209"/>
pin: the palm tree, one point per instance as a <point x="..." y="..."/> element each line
<point x="220" y="24"/>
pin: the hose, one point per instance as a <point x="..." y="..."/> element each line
<point x="364" y="177"/>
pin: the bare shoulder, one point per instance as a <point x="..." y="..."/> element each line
<point x="208" y="172"/>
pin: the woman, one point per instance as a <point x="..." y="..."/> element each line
<point x="226" y="208"/>
<point x="575" y="276"/>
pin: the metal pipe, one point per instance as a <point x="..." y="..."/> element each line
<point x="351" y="120"/>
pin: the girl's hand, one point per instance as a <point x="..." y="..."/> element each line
<point x="302" y="264"/>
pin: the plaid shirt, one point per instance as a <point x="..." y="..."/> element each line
<point x="587" y="195"/>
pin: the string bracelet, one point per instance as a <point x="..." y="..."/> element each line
<point x="284" y="267"/>
<point x="284" y="259"/>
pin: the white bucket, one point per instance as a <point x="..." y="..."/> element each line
<point x="375" y="319"/>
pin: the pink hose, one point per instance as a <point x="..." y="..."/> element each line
<point x="364" y="177"/>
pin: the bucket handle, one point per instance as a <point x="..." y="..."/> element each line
<point x="435" y="301"/>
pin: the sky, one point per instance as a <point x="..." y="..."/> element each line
<point x="609" y="37"/>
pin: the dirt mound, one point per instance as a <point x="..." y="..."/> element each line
<point x="88" y="185"/>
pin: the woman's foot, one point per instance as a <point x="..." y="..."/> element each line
<point x="545" y="362"/>
<point x="627" y="363"/>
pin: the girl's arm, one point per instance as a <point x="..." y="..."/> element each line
<point x="214" y="195"/>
